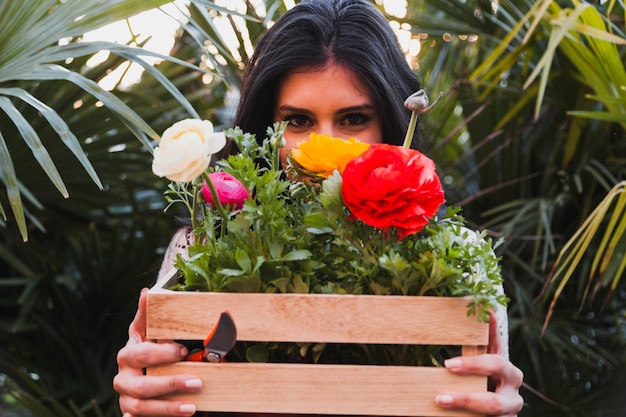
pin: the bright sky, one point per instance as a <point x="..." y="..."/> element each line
<point x="159" y="25"/>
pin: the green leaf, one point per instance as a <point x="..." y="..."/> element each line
<point x="297" y="255"/>
<point x="171" y="88"/>
<point x="281" y="284"/>
<point x="298" y="285"/>
<point x="59" y="125"/>
<point x="276" y="248"/>
<point x="10" y="180"/>
<point x="34" y="143"/>
<point x="229" y="272"/>
<point x="243" y="260"/>
<point x="244" y="284"/>
<point x="378" y="289"/>
<point x="127" y="115"/>
<point x="602" y="116"/>
<point x="257" y="353"/>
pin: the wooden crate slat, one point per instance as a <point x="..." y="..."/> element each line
<point x="323" y="389"/>
<point x="316" y="318"/>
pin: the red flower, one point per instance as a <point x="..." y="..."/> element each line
<point x="230" y="191"/>
<point x="392" y="186"/>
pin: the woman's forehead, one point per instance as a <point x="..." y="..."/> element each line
<point x="323" y="84"/>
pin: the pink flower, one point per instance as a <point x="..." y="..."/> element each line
<point x="230" y="191"/>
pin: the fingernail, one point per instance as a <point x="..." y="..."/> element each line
<point x="444" y="399"/>
<point x="452" y="363"/>
<point x="187" y="409"/>
<point x="183" y="351"/>
<point x="193" y="383"/>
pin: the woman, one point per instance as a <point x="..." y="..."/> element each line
<point x="332" y="67"/>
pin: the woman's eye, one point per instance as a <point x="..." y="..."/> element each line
<point x="355" y="119"/>
<point x="297" y="120"/>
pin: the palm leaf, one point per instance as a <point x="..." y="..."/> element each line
<point x="534" y="176"/>
<point x="31" y="47"/>
<point x="579" y="245"/>
<point x="59" y="125"/>
<point x="9" y="178"/>
<point x="34" y="143"/>
<point x="602" y="116"/>
<point x="128" y="116"/>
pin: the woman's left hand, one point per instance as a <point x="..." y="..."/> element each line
<point x="505" y="401"/>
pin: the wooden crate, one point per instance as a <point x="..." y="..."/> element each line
<point x="319" y="389"/>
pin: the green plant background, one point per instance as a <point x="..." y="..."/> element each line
<point x="528" y="137"/>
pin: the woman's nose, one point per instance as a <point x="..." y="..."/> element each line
<point x="326" y="128"/>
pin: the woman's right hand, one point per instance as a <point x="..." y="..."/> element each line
<point x="139" y="393"/>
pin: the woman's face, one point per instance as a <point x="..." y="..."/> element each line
<point x="327" y="100"/>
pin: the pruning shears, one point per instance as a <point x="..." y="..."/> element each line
<point x="220" y="340"/>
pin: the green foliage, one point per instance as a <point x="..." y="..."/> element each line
<point x="295" y="235"/>
<point x="529" y="140"/>
<point x="38" y="40"/>
<point x="531" y="176"/>
<point x="68" y="295"/>
<point x="72" y="309"/>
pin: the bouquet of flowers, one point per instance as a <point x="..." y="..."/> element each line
<point x="331" y="216"/>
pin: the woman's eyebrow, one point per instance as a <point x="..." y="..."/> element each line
<point x="294" y="109"/>
<point x="357" y="108"/>
<point x="350" y="109"/>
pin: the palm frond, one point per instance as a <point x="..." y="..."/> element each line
<point x="529" y="161"/>
<point x="607" y="255"/>
<point x="34" y="143"/>
<point x="33" y="46"/>
<point x="59" y="125"/>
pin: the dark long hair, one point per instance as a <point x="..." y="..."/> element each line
<point x="351" y="33"/>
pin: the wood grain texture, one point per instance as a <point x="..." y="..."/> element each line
<point x="322" y="389"/>
<point x="316" y="318"/>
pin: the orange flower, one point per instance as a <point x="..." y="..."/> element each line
<point x="323" y="154"/>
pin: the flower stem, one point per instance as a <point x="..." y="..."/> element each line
<point x="216" y="202"/>
<point x="411" y="129"/>
<point x="193" y="209"/>
<point x="275" y="159"/>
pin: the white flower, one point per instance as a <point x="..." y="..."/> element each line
<point x="185" y="150"/>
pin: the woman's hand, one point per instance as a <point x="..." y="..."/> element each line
<point x="505" y="401"/>
<point x="138" y="392"/>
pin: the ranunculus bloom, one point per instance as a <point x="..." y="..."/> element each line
<point x="230" y="191"/>
<point x="323" y="154"/>
<point x="185" y="150"/>
<point x="392" y="186"/>
<point x="417" y="101"/>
